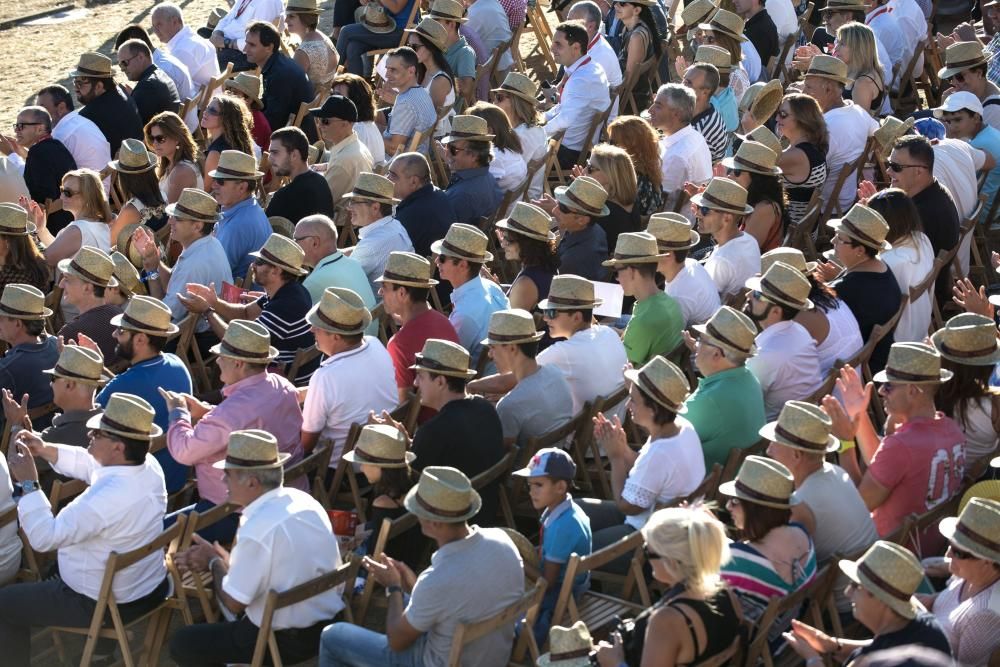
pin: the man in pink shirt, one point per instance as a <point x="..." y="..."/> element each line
<point x="254" y="399"/>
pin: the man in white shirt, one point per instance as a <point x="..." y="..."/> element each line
<point x="684" y="152"/>
<point x="81" y="137"/>
<point x="196" y="52"/>
<point x="913" y="25"/>
<point x="598" y="48"/>
<point x="370" y="204"/>
<point x="783" y="14"/>
<point x="786" y="363"/>
<point x="491" y="24"/>
<point x="687" y="281"/>
<point x="229" y="36"/>
<point x="120" y="511"/>
<point x="719" y="211"/>
<point x="284" y="540"/>
<point x="582" y="93"/>
<point x="888" y="32"/>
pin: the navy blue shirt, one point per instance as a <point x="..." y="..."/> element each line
<point x="285" y="317"/>
<point x="116" y="116"/>
<point x="286" y="86"/>
<point x="46" y="164"/>
<point x="154" y="93"/>
<point x="306" y="194"/>
<point x="21" y="371"/>
<point x="581" y="253"/>
<point x="426" y="214"/>
<point x="473" y="193"/>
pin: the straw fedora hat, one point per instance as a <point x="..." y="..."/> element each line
<point x="14" y="221"/>
<point x="976" y="529"/>
<point x="762" y="135"/>
<point x="968" y="339"/>
<point x="23" y="302"/>
<point x="829" y="67"/>
<point x="569" y="292"/>
<point x="726" y="22"/>
<point x="762" y="99"/>
<point x="194" y="204"/>
<point x="672" y="231"/>
<point x="247" y="341"/>
<point x="284" y="253"/>
<point x="647" y="3"/>
<point x="714" y="55"/>
<point x="146" y="314"/>
<point x="127" y="416"/>
<point x="248" y="84"/>
<point x="724" y="194"/>
<point x="449" y="10"/>
<point x="340" y="311"/>
<point x="133" y="158"/>
<point x="961" y="56"/>
<point x="374" y="188"/>
<point x="303" y="7"/>
<point x="663" y="382"/>
<point x="443" y="494"/>
<point x="731" y="330"/>
<point x="382" y="446"/>
<point x="889" y="572"/>
<point x="697" y="12"/>
<point x="215" y="16"/>
<point x="374" y="18"/>
<point x="468" y="128"/>
<point x="94" y="65"/>
<point x="802" y="426"/>
<point x="635" y="248"/>
<point x="568" y="647"/>
<point x="528" y="220"/>
<point x="126" y="244"/>
<point x="238" y="165"/>
<point x="763" y="481"/>
<point x="512" y="327"/>
<point x="755" y="157"/>
<point x="844" y="6"/>
<point x="891" y="129"/>
<point x="407" y="268"/>
<point x="252" y="449"/>
<point x="784" y="285"/>
<point x="913" y="363"/>
<point x="518" y="84"/>
<point x="79" y="365"/>
<point x="463" y="241"/>
<point x="443" y="358"/>
<point x="864" y="225"/>
<point x="585" y="196"/>
<point x="91" y="265"/>
<point x="432" y="31"/>
<point x="790" y="256"/>
<point x="129" y="282"/>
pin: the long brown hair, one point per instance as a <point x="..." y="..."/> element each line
<point x="504" y="137"/>
<point x="809" y="118"/>
<point x="969" y="384"/>
<point x="638" y="138"/>
<point x="236" y="121"/>
<point x="24" y="254"/>
<point x="172" y="127"/>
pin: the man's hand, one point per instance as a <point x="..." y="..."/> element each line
<point x="204" y="292"/>
<point x="174" y="400"/>
<point x="218" y="39"/>
<point x="8" y="145"/>
<point x="386" y="573"/>
<point x="844" y="428"/>
<point x="613" y="654"/>
<point x="198" y="556"/>
<point x="809" y="642"/>
<point x="198" y="409"/>
<point x="145" y="244"/>
<point x="36" y="213"/>
<point x="83" y="340"/>
<point x="194" y="304"/>
<point x="386" y="419"/>
<point x="33" y="441"/>
<point x="14" y="412"/>
<point x="689" y="341"/>
<point x="22" y="464"/>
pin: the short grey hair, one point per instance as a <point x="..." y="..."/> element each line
<point x="324" y="227"/>
<point x="168" y="10"/>
<point x="680" y="98"/>
<point x="591" y="12"/>
<point x="268" y="478"/>
<point x="39" y="114"/>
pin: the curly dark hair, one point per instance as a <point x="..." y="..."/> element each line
<point x="534" y="252"/>
<point x="765" y="188"/>
<point x="360" y="92"/>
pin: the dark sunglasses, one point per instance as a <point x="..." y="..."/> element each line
<point x="897" y="167"/>
<point x="960" y="554"/>
<point x="563" y="208"/>
<point x="734" y="172"/>
<point x="257" y="261"/>
<point x="158" y="138"/>
<point x="223" y="181"/>
<point x="124" y="63"/>
<point x="591" y="168"/>
<point x="20" y="126"/>
<point x="703" y="210"/>
<point x="550" y="313"/>
<point x="454" y="150"/>
<point x="958" y="78"/>
<point x="67" y="192"/>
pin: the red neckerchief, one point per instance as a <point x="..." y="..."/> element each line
<point x="243" y="8"/>
<point x="593" y="41"/>
<point x="878" y="12"/>
<point x="569" y="74"/>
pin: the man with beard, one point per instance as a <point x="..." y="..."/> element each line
<point x="114" y="113"/>
<point x="307" y="192"/>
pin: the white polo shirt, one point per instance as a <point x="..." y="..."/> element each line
<point x="786" y="365"/>
<point x="731" y="263"/>
<point x="685" y="157"/>
<point x="592" y="361"/>
<point x="695" y="291"/>
<point x="84" y="140"/>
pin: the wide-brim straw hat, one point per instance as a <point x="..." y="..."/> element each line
<point x="246" y="341"/>
<point x="94" y="65"/>
<point x="673" y="232"/>
<point x="844" y="6"/>
<point x="23" y="302"/>
<point x="976" y="529"/>
<point x="407" y="268"/>
<point x="468" y="128"/>
<point x="913" y="363"/>
<point x="584" y="195"/>
<point x="755" y="157"/>
<point x="731" y="330"/>
<point x="891" y="129"/>
<point x="829" y="67"/>
<point x="129" y="281"/>
<point x="802" y="426"/>
<point x="374" y="18"/>
<point x="663" y="382"/>
<point x="783" y="284"/>
<point x="303" y="7"/>
<point x="91" y="265"/>
<point x="79" y="364"/>
<point x="763" y="135"/>
<point x="724" y="194"/>
<point x="511" y="327"/>
<point x="961" y="56"/>
<point x="635" y="248"/>
<point x="127" y="416"/>
<point x="762" y="100"/>
<point x="432" y="31"/>
<point x="373" y="187"/>
<point x="443" y="357"/>
<point x="763" y="481"/>
<point x="443" y="494"/>
<point x="695" y="13"/>
<point x="194" y="204"/>
<point x="726" y="22"/>
<point x="570" y="292"/>
<point x="340" y="311"/>
<point x="248" y="84"/>
<point x="14" y="221"/>
<point x="252" y="449"/>
<point x="968" y="339"/>
<point x="463" y="241"/>
<point x="133" y="158"/>
<point x="791" y="256"/>
<point x="889" y="572"/>
<point x="520" y="85"/>
<point x="569" y="647"/>
<point x="645" y="3"/>
<point x="146" y="314"/>
<point x="528" y="220"/>
<point x="284" y="253"/>
<point x="716" y="56"/>
<point x="449" y="10"/>
<point x="238" y="165"/>
<point x="864" y="225"/>
<point x="382" y="446"/>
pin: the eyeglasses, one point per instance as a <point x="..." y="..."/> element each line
<point x="563" y="208"/>
<point x="212" y="111"/>
<point x="66" y="192"/>
<point x="959" y="553"/>
<point x="500" y="97"/>
<point x="124" y="63"/>
<point x="324" y="121"/>
<point x="897" y="167"/>
<point x="300" y="239"/>
<point x="550" y="313"/>
<point x="703" y="210"/>
<point x="158" y="138"/>
<point x="734" y="172"/>
<point x="887" y="387"/>
<point x="81" y="82"/>
<point x="260" y="262"/>
<point x="757" y="295"/>
<point x="223" y="181"/>
<point x="392" y="176"/>
<point x="20" y="126"/>
<point x="414" y="45"/>
<point x="454" y="150"/>
<point x="96" y="433"/>
<point x="651" y="555"/>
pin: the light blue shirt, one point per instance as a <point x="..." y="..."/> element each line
<point x="724" y="102"/>
<point x="243" y="229"/>
<point x="474" y="302"/>
<point x="203" y="262"/>
<point x="339" y="270"/>
<point x="988" y="140"/>
<point x="375" y="242"/>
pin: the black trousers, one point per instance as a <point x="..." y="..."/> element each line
<point x="567" y="157"/>
<point x="236" y="57"/>
<point x="212" y="644"/>
<point x="53" y="603"/>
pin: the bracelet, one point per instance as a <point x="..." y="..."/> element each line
<point x="846" y="445"/>
<point x="152" y="275"/>
<point x="211" y="563"/>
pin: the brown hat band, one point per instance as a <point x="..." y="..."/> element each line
<point x="912" y="377"/>
<point x="965" y="63"/>
<point x="134" y="170"/>
<point x="621" y="255"/>
<point x="197" y="215"/>
<point x="647" y="386"/>
<point x="440" y="512"/>
<point x="795" y="439"/>
<point x="752" y="165"/>
<point x="236" y="461"/>
<point x="333" y="323"/>
<point x="462" y="135"/>
<point x="569" y="655"/>
<point x="968" y="354"/>
<point x="367" y="194"/>
<point x="976" y="537"/>
<point x="568" y="301"/>
<point x="667" y="245"/>
<point x="272" y="258"/>
<point x="87" y="274"/>
<point x="19" y="230"/>
<point x="582" y="204"/>
<point x="232" y="349"/>
<point x="882" y="583"/>
<point x="461" y="252"/>
<point x="757" y="495"/>
<point x="512" y="89"/>
<point x="59" y="370"/>
<point x="121" y="427"/>
<point x="362" y="454"/>
<point x="92" y="72"/>
<point x="715" y="333"/>
<point x="771" y="287"/>
<point x="392" y="276"/>
<point x="446" y="17"/>
<point x="234" y="173"/>
<point x="719" y="202"/>
<point x="15" y="311"/>
<point x="128" y="319"/>
<point x="435" y="365"/>
<point x="508" y="337"/>
<point x="853" y="229"/>
<point x="511" y="222"/>
<point x="721" y="27"/>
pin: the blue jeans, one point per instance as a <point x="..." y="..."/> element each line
<point x="356" y="40"/>
<point x="349" y="645"/>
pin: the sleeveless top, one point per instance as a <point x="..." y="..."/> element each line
<point x="800" y="193"/>
<point x="876" y="105"/>
<point x="92" y="233"/>
<point x="318" y="52"/>
<point x="199" y="179"/>
<point x="444" y="125"/>
<point x="540" y="276"/>
<point x="153" y="217"/>
<point x="641" y="92"/>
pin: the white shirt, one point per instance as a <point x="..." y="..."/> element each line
<point x="489" y="20"/>
<point x="732" y="263"/>
<point x="843" y="340"/>
<point x="751" y="61"/>
<point x="84" y="140"/>
<point x="786" y="365"/>
<point x="695" y="291"/>
<point x="913" y="27"/>
<point x="234" y="24"/>
<point x="122" y="510"/>
<point x="592" y="361"/>
<point x="508" y="169"/>
<point x="375" y="242"/>
<point x="584" y="93"/>
<point x="336" y="398"/>
<point x="197" y="53"/>
<point x="604" y="55"/>
<point x="783" y="15"/>
<point x="534" y="145"/>
<point x="10" y="545"/>
<point x="179" y="74"/>
<point x="371" y="137"/>
<point x="889" y="34"/>
<point x="685" y="157"/>
<point x="851" y="125"/>
<point x="96" y="234"/>
<point x="955" y="165"/>
<point x="911" y="260"/>
<point x="285" y="539"/>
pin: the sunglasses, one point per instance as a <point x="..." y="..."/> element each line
<point x="454" y="150"/>
<point x="223" y="181"/>
<point x="324" y="121"/>
<point x="959" y="553"/>
<point x="888" y="387"/>
<point x="651" y="555"/>
<point x="124" y="63"/>
<point x="20" y="126"/>
<point x="703" y="210"/>
<point x="734" y="172"/>
<point x="212" y="111"/>
<point x="158" y="138"/>
<point x="897" y="167"/>
<point x="563" y="208"/>
<point x="550" y="313"/>
<point x="67" y="192"/>
<point x="499" y="97"/>
<point x="414" y="45"/>
<point x="259" y="262"/>
<point x="958" y="78"/>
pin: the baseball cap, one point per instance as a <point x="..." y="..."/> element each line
<point x="549" y="462"/>
<point x="337" y="106"/>
<point x="931" y="128"/>
<point x="957" y="102"/>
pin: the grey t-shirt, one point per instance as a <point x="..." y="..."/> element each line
<point x="467" y="581"/>
<point x="540" y="403"/>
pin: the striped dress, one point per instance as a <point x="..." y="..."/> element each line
<point x="800" y="193"/>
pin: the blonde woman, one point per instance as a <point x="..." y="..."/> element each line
<point x="855" y="45"/>
<point x="82" y="194"/>
<point x="168" y="137"/>
<point x="613" y="169"/>
<point x="522" y="112"/>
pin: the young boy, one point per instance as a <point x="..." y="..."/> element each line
<point x="565" y="528"/>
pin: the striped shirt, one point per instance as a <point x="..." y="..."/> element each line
<point x="800" y="194"/>
<point x="711" y="126"/>
<point x="413" y="112"/>
<point x="284" y="316"/>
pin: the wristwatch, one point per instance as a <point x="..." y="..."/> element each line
<point x="28" y="486"/>
<point x="389" y="590"/>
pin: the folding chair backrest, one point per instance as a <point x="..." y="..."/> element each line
<point x="64" y="491"/>
<point x="406" y="413"/>
<point x="778" y="608"/>
<point x="313" y="467"/>
<point x="389" y="529"/>
<point x="526" y="607"/>
<point x="498" y="472"/>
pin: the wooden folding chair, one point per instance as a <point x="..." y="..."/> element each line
<point x="526" y="607"/>
<point x="53" y="301"/>
<point x="313" y="467"/>
<point x="880" y="331"/>
<point x="213" y="85"/>
<point x="906" y="98"/>
<point x="601" y="404"/>
<point x="626" y="94"/>
<point x="406" y="413"/>
<point x="778" y="610"/>
<point x="34" y="414"/>
<point x="303" y="356"/>
<point x="188" y="352"/>
<point x="346" y="470"/>
<point x="499" y="472"/>
<point x="802" y="234"/>
<point x="390" y="529"/>
<point x="537" y="24"/>
<point x="735" y="460"/>
<point x="848" y="170"/>
<point x="562" y="437"/>
<point x="554" y="175"/>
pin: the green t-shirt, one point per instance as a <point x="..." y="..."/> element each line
<point x="655" y="328"/>
<point x="727" y="411"/>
